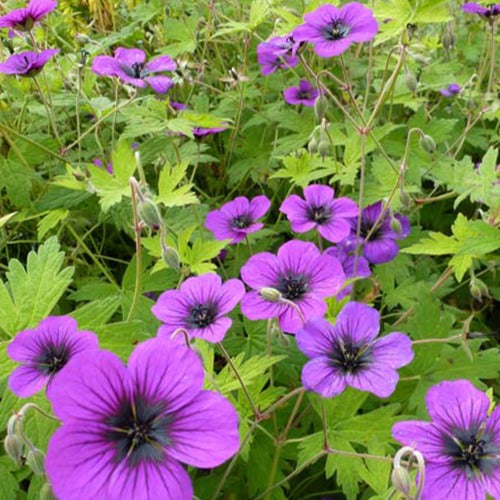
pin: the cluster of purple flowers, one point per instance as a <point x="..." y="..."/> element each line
<point x="124" y="428"/>
<point x="27" y="63"/>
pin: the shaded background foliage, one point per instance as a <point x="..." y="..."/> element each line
<point x="66" y="237"/>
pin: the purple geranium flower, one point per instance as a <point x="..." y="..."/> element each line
<point x="461" y="446"/>
<point x="237" y="218"/>
<point x="301" y="273"/>
<point x="321" y="210"/>
<point x="382" y="245"/>
<point x="130" y="66"/>
<point x="451" y="90"/>
<point x="346" y="257"/>
<point x="279" y="52"/>
<point x="332" y="30"/>
<point x="43" y="351"/>
<point x="27" y="63"/>
<point x="347" y="354"/>
<point x="125" y="429"/>
<point x="199" y="307"/>
<point x="490" y="11"/>
<point x="304" y="94"/>
<point x="24" y="19"/>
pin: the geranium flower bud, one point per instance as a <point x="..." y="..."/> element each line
<point x="401" y="480"/>
<point x="149" y="213"/>
<point x="478" y="289"/>
<point x="411" y="81"/>
<point x="312" y="146"/>
<point x="448" y="40"/>
<point x="427" y="143"/>
<point x="396" y="226"/>
<point x="405" y="199"/>
<point x="323" y="149"/>
<point x="36" y="461"/>
<point x="320" y="107"/>
<point x="270" y="294"/>
<point x="14" y="447"/>
<point x="170" y="257"/>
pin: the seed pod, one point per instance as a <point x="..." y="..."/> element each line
<point x="36" y="460"/>
<point x="478" y="289"/>
<point x="320" y="107"/>
<point x="411" y="82"/>
<point x="149" y="213"/>
<point x="170" y="257"/>
<point x="14" y="447"/>
<point x="401" y="480"/>
<point x="427" y="143"/>
<point x="270" y="294"/>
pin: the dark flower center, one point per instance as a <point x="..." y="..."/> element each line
<point x="304" y="94"/>
<point x="135" y="71"/>
<point x="366" y="227"/>
<point x="349" y="357"/>
<point x="242" y="221"/>
<point x="472" y="451"/>
<point x="336" y="30"/>
<point x="201" y="315"/>
<point x="139" y="431"/>
<point x="293" y="287"/>
<point x="53" y="358"/>
<point x="319" y="214"/>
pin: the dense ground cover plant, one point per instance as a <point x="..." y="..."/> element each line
<point x="249" y="250"/>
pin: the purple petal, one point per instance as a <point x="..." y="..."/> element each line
<point x="104" y="65"/>
<point x="253" y="306"/>
<point x="261" y="270"/>
<point x="299" y="257"/>
<point x="380" y="251"/>
<point x="161" y="63"/>
<point x="172" y="308"/>
<point x="318" y="194"/>
<point x="40" y="8"/>
<point x="457" y="404"/>
<point x="425" y="437"/>
<point x="474" y="8"/>
<point x="393" y="350"/>
<point x="229" y="295"/>
<point x="344" y="207"/>
<point x="330" y="49"/>
<point x="25" y="381"/>
<point x="358" y="323"/>
<point x="311" y="307"/>
<point x="335" y="230"/>
<point x="215" y="332"/>
<point x="201" y="289"/>
<point x="315" y="338"/>
<point x="320" y="376"/>
<point x="130" y="56"/>
<point x="220" y="224"/>
<point x="204" y="433"/>
<point x="327" y="275"/>
<point x="166" y="370"/>
<point x="296" y="210"/>
<point x="259" y="206"/>
<point x="90" y="386"/>
<point x="160" y="84"/>
<point x="376" y="378"/>
<point x="444" y="481"/>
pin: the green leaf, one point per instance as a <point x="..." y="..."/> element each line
<point x="31" y="293"/>
<point x="50" y="221"/>
<point x="169" y="191"/>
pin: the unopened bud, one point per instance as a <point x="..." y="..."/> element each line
<point x="401" y="480"/>
<point x="478" y="289"/>
<point x="312" y="146"/>
<point x="396" y="226"/>
<point x="149" y="213"/>
<point x="323" y="149"/>
<point x="270" y="294"/>
<point x="82" y="38"/>
<point x="405" y="199"/>
<point x="14" y="447"/>
<point x="46" y="492"/>
<point x="411" y="81"/>
<point x="427" y="143"/>
<point x="36" y="460"/>
<point x="320" y="107"/>
<point x="170" y="257"/>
